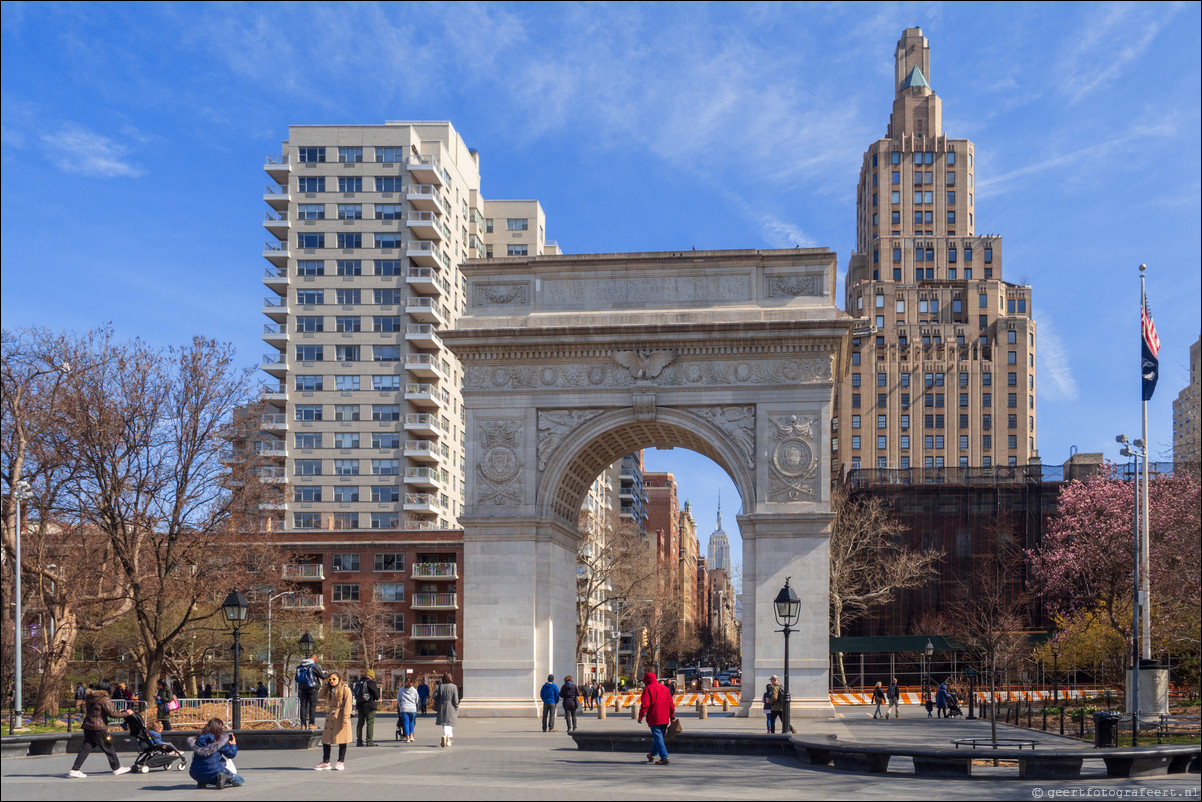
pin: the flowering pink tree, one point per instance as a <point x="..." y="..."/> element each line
<point x="1084" y="566"/>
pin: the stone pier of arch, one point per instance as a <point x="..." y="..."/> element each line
<point x="570" y="363"/>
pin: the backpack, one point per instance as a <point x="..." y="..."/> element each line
<point x="305" y="677"/>
<point x="364" y="692"/>
<point x="773" y="694"/>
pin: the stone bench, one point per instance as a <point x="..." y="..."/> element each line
<point x="700" y="743"/>
<point x="1049" y="764"/>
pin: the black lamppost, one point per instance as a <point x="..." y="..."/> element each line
<point x="972" y="693"/>
<point x="307" y="645"/>
<point x="235" y="608"/>
<point x="788" y="609"/>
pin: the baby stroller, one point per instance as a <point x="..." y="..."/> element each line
<point x="152" y="755"/>
<point x="953" y="706"/>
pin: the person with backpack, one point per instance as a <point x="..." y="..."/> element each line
<point x="893" y="695"/>
<point x="774" y="701"/>
<point x="569" y="695"/>
<point x="308" y="684"/>
<point x="367" y="693"/>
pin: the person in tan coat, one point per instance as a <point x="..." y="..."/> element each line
<point x="340" y="702"/>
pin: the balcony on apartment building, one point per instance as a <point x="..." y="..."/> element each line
<point x="426" y="395"/>
<point x="271" y="448"/>
<point x="424" y="253"/>
<point x="434" y="601"/>
<point x="424" y="424"/>
<point x="273" y="421"/>
<point x="276" y="253"/>
<point x="273" y="393"/>
<point x="422" y="335"/>
<point x="428" y="366"/>
<point x="434" y="632"/>
<point x="427" y="170"/>
<point x="278" y="224"/>
<point x="424" y="197"/>
<point x="276" y="364"/>
<point x="272" y="474"/>
<point x="427" y="226"/>
<point x="276" y="309"/>
<point x="423" y="477"/>
<point x="303" y="601"/>
<point x="276" y="196"/>
<point x="423" y="450"/>
<point x="427" y="280"/>
<point x="423" y="502"/>
<point x="434" y="570"/>
<point x="426" y="310"/>
<point x="275" y="334"/>
<point x="277" y="167"/>
<point x="304" y="573"/>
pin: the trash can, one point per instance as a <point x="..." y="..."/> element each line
<point x="1105" y="729"/>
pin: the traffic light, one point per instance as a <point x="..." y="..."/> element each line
<point x="643" y="637"/>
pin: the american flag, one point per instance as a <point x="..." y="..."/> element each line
<point x="1149" y="331"/>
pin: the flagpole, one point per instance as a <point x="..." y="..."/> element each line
<point x="1146" y="636"/>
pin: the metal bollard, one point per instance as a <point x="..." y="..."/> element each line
<point x="634" y="711"/>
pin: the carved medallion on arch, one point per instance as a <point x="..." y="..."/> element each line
<point x="794" y="468"/>
<point x="499" y="467"/>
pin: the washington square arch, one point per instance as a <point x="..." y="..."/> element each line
<point x="571" y="362"/>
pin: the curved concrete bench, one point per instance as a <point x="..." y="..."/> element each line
<point x="705" y="743"/>
<point x="1049" y="764"/>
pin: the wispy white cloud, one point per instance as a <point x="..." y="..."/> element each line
<point x="75" y="149"/>
<point x="1116" y="39"/>
<point x="1055" y="371"/>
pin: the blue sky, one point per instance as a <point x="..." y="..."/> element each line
<point x="142" y="128"/>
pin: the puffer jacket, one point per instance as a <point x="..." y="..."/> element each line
<point x="98" y="711"/>
<point x="207" y="753"/>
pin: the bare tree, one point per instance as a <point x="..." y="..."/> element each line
<point x="373" y="630"/>
<point x="868" y="563"/>
<point x="151" y="433"/>
<point x="614" y="561"/>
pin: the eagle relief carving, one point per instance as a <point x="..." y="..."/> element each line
<point x="644" y="365"/>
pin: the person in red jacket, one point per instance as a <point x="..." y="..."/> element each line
<point x="659" y="710"/>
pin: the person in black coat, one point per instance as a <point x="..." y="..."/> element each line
<point x="569" y="696"/>
<point x="367" y="693"/>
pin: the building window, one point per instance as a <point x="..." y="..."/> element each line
<point x="311" y="240"/>
<point x="388" y="239"/>
<point x="385" y="412"/>
<point x="855" y="421"/>
<point x="388" y="211"/>
<point x="388" y="267"/>
<point x="390" y="591"/>
<point x="346" y="467"/>
<point x="385" y="467"/>
<point x="307" y="493"/>
<point x="881" y="442"/>
<point x="350" y="211"/>
<point x="386" y="353"/>
<point x="350" y="183"/>
<point x="855" y="441"/>
<point x="308" y="440"/>
<point x="346" y="324"/>
<point x="386" y="383"/>
<point x="310" y="267"/>
<point x="307" y="467"/>
<point x="311" y="211"/>
<point x="386" y="297"/>
<point x="348" y="561"/>
<point x="385" y="520"/>
<point x="390" y="561"/>
<point x="346" y="412"/>
<point x="350" y="240"/>
<point x="386" y="323"/>
<point x="346" y="440"/>
<point x="517" y="224"/>
<point x="346" y="353"/>
<point x="385" y="494"/>
<point x="517" y="250"/>
<point x="306" y="520"/>
<point x="308" y="412"/>
<point x="309" y="384"/>
<point x="310" y="155"/>
<point x="346" y="592"/>
<point x="351" y="155"/>
<point x="855" y="379"/>
<point x="385" y="440"/>
<point x="855" y="357"/>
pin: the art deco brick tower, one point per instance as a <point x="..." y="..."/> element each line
<point x="942" y="369"/>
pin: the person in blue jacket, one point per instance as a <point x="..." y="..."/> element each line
<point x="550" y="696"/>
<point x="941" y="699"/>
<point x="209" y="750"/>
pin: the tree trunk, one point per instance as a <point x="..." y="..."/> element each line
<point x="59" y="649"/>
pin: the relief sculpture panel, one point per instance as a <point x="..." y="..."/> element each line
<point x="794" y="468"/>
<point x="499" y="467"/>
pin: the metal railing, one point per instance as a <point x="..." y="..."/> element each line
<point x="257" y="714"/>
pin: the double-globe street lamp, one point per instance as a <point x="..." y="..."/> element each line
<point x="235" y="608"/>
<point x="787" y="608"/>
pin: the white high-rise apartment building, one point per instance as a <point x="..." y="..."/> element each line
<point x="370" y="224"/>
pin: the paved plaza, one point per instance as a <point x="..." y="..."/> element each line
<point x="512" y="759"/>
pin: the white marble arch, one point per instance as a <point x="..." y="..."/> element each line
<point x="553" y="393"/>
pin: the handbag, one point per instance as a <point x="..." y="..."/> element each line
<point x="172" y="705"/>
<point x="674" y="728"/>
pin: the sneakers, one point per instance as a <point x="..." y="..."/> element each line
<point x="444" y="741"/>
<point x="338" y="766"/>
<point x="322" y="767"/>
<point x="663" y="762"/>
<point x="222" y="781"/>
<point x="76" y="773"/>
<point x="650" y="757"/>
<point x="120" y="771"/>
